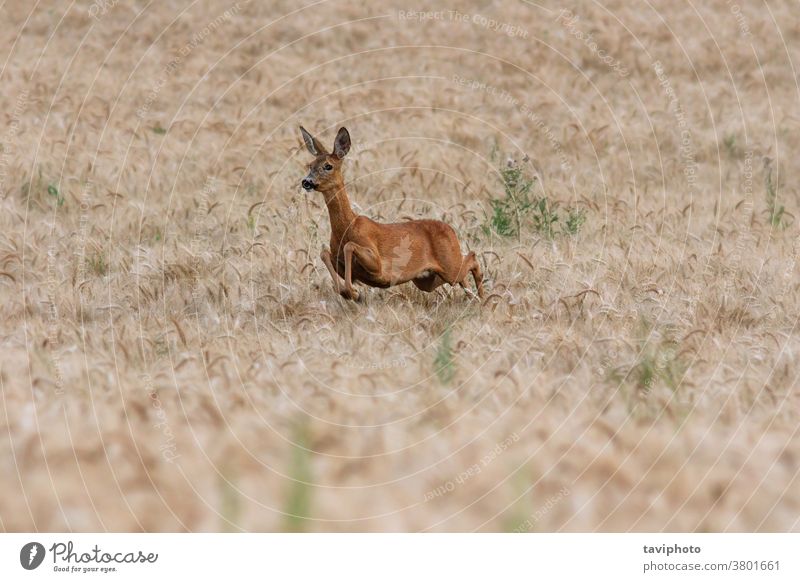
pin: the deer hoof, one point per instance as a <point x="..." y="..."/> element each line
<point x="351" y="294"/>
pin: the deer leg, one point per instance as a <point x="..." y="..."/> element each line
<point x="338" y="282"/>
<point x="470" y="265"/>
<point x="475" y="269"/>
<point x="367" y="260"/>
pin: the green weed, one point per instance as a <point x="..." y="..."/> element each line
<point x="52" y="190"/>
<point x="729" y="141"/>
<point x="657" y="364"/>
<point x="776" y="211"/>
<point x="545" y="217"/>
<point x="444" y="363"/>
<point x="519" y="209"/>
<point x="574" y="221"/>
<point x="230" y="501"/>
<point x="96" y="263"/>
<point x="298" y="501"/>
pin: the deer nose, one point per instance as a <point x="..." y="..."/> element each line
<point x="307" y="184"/>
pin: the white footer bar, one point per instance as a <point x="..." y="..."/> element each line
<point x="401" y="557"/>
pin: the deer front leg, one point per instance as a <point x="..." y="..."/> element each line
<point x="367" y="260"/>
<point x="338" y="283"/>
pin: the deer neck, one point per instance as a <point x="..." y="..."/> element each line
<point x="339" y="209"/>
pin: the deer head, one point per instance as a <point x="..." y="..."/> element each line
<point x="325" y="171"/>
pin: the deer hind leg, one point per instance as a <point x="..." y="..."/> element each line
<point x="456" y="270"/>
<point x="367" y="259"/>
<point x="477" y="275"/>
<point x="470" y="266"/>
<point x="338" y="282"/>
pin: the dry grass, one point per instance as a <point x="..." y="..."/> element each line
<point x="173" y="356"/>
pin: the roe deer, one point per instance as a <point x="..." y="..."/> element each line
<point x="381" y="255"/>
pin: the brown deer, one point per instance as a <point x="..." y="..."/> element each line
<point x="425" y="252"/>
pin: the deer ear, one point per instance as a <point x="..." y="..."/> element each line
<point x="341" y="144"/>
<point x="312" y="143"/>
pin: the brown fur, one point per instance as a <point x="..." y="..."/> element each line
<point x="426" y="252"/>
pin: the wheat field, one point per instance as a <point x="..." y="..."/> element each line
<point x="173" y="356"/>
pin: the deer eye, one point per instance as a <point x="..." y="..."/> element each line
<point x="328" y="167"/>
